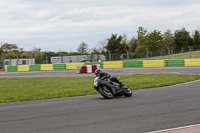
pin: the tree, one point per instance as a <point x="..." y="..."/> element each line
<point x="196" y="39"/>
<point x="27" y="54"/>
<point x="155" y="41"/>
<point x="142" y="36"/>
<point x="182" y="39"/>
<point x="9" y="48"/>
<point x="100" y="49"/>
<point x="190" y="41"/>
<point x="95" y="51"/>
<point x="102" y="46"/>
<point x="142" y="40"/>
<point x="1" y="51"/>
<point x="38" y="55"/>
<point x="140" y="51"/>
<point x="125" y="41"/>
<point x="115" y="44"/>
<point x="132" y="44"/>
<point x="83" y="48"/>
<point x="168" y="40"/>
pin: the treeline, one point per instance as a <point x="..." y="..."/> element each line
<point x="154" y="41"/>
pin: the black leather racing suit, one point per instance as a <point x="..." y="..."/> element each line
<point x="114" y="79"/>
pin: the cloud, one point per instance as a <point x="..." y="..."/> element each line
<point x="64" y="24"/>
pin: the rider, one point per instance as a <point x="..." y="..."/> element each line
<point x="101" y="74"/>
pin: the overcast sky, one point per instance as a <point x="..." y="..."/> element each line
<point x="61" y="25"/>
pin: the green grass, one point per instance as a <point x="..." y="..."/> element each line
<point x="22" y="89"/>
<point x="185" y="55"/>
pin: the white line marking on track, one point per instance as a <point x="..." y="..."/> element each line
<point x="178" y="128"/>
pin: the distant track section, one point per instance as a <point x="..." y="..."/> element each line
<point x="115" y="71"/>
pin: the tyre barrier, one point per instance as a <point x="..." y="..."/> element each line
<point x="88" y="68"/>
<point x="71" y="66"/>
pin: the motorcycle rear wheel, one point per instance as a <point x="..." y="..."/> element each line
<point x="105" y="92"/>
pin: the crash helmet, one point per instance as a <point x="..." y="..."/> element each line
<point x="98" y="71"/>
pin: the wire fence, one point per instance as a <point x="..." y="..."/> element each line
<point x="154" y="55"/>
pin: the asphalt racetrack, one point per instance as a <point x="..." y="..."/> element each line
<point x="146" y="111"/>
<point x="116" y="71"/>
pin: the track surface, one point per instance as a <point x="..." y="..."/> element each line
<point x="64" y="73"/>
<point x="148" y="110"/>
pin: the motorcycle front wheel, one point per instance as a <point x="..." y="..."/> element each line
<point x="105" y="92"/>
<point x="128" y="92"/>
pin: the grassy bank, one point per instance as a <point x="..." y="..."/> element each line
<point x="185" y="55"/>
<point x="21" y="89"/>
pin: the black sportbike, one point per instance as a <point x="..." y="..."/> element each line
<point x="109" y="89"/>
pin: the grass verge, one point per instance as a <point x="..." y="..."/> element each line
<point x="185" y="55"/>
<point x="23" y="89"/>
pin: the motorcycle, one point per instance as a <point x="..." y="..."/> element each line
<point x="109" y="89"/>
